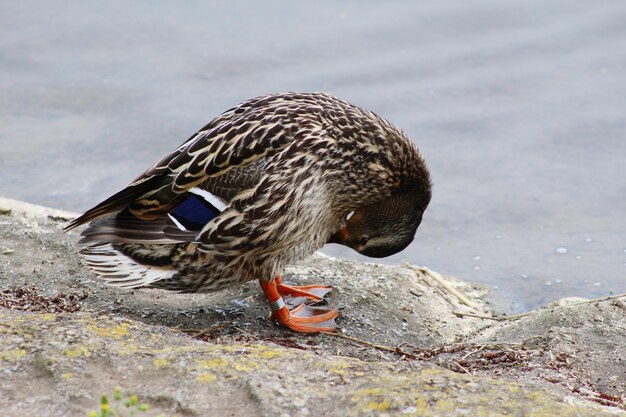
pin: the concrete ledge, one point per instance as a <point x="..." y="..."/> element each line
<point x="406" y="347"/>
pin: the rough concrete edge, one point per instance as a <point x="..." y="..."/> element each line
<point x="33" y="210"/>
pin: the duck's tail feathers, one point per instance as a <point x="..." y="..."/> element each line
<point x="124" y="227"/>
<point x="117" y="202"/>
<point x="149" y="264"/>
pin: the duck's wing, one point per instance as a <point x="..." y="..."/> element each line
<point x="288" y="207"/>
<point x="182" y="224"/>
<point x="238" y="138"/>
<point x="234" y="181"/>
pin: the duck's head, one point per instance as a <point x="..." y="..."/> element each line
<point x="386" y="227"/>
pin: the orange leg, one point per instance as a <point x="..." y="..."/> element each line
<point x="303" y="318"/>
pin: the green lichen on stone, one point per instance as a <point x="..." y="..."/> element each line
<point x="12" y="355"/>
<point x="283" y="381"/>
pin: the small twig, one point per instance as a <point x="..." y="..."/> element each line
<point x="247" y="333"/>
<point x="593" y="300"/>
<point x="396" y="350"/>
<point x="605" y="401"/>
<point x="200" y="332"/>
<point x="478" y="316"/>
<point x="434" y="287"/>
<point x="517" y="316"/>
<point x="472" y="352"/>
<point x="498" y="345"/>
<point x="504" y="318"/>
<point x="462" y="368"/>
<point x="441" y="292"/>
<point x="441" y="281"/>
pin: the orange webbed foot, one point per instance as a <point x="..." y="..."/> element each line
<point x="304" y="318"/>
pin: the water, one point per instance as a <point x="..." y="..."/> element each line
<point x="519" y="108"/>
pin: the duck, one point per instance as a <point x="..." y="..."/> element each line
<point x="261" y="186"/>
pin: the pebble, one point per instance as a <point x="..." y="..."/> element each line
<point x="561" y="249"/>
<point x="476" y="258"/>
<point x="240" y="303"/>
<point x="597" y="284"/>
<point x="477" y="268"/>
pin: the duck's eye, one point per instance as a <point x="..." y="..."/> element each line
<point x="349" y="216"/>
<point x="363" y="240"/>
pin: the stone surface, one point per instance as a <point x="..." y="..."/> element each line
<point x="404" y="348"/>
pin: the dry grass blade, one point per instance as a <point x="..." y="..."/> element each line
<point x="443" y="283"/>
<point x="396" y="350"/>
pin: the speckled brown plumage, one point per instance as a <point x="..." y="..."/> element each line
<point x="291" y="168"/>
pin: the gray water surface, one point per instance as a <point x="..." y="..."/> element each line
<point x="519" y="108"/>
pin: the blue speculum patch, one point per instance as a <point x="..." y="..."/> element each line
<point x="195" y="212"/>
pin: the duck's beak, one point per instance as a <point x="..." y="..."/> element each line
<point x="340" y="237"/>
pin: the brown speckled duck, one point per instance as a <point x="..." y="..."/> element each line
<point x="263" y="185"/>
